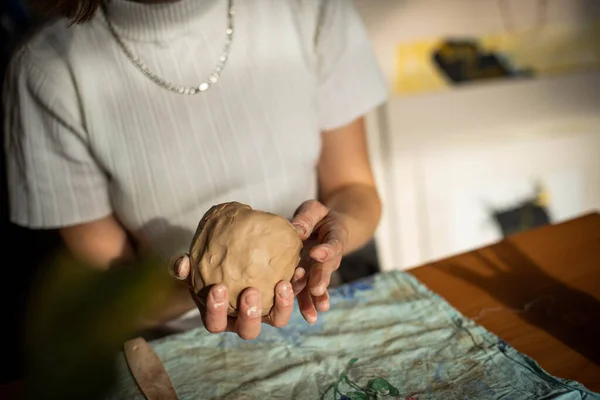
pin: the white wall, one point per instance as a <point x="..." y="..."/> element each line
<point x="434" y="153"/>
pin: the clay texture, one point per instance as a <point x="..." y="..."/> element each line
<point x="241" y="248"/>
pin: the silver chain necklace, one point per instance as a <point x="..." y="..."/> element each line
<point x="212" y="78"/>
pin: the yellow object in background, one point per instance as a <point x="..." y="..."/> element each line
<point x="550" y="50"/>
<point x="543" y="197"/>
<point x="416" y="71"/>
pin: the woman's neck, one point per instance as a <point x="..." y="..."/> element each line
<point x="150" y="20"/>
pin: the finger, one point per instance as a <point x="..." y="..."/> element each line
<point x="327" y="251"/>
<point x="247" y="324"/>
<point x="299" y="280"/>
<point x="179" y="266"/>
<point x="215" y="314"/>
<point x="284" y="305"/>
<point x="322" y="303"/>
<point x="307" y="307"/>
<point x="319" y="278"/>
<point x="308" y="215"/>
<point x="332" y="237"/>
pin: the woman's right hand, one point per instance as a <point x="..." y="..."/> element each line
<point x="248" y="322"/>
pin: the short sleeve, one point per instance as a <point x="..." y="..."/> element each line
<point x="350" y="80"/>
<point x="53" y="179"/>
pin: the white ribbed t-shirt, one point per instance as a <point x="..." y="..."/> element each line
<point x="88" y="135"/>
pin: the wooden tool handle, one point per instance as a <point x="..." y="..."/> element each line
<point x="148" y="371"/>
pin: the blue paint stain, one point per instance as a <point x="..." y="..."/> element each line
<point x="502" y="345"/>
<point x="438" y="371"/>
<point x="429" y="390"/>
<point x="485" y="388"/>
<point x="350" y="291"/>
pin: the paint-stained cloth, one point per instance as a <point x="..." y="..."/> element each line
<point x="385" y="337"/>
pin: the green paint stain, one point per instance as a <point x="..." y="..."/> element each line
<point x="375" y="389"/>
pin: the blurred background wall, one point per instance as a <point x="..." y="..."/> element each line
<point x="456" y="164"/>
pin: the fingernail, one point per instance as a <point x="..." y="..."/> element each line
<point x="219" y="293"/>
<point x="284" y="291"/>
<point x="319" y="288"/>
<point x="300" y="229"/>
<point x="252" y="301"/>
<point x="300" y="272"/>
<point x="178" y="265"/>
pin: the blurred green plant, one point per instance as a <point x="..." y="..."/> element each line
<point x="376" y="388"/>
<point x="79" y="319"/>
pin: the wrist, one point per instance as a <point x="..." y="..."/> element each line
<point x="358" y="207"/>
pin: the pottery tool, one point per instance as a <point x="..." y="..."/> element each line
<point x="148" y="371"/>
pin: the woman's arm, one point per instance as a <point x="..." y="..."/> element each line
<point x="100" y="244"/>
<point x="347" y="185"/>
<point x="343" y="220"/>
<point x="104" y="244"/>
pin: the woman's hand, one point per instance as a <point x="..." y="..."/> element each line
<point x="325" y="236"/>
<point x="248" y="322"/>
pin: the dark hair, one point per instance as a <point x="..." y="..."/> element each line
<point x="76" y="11"/>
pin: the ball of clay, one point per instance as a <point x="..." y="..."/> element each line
<point x="241" y="248"/>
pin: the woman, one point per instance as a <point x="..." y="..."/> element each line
<point x="125" y="126"/>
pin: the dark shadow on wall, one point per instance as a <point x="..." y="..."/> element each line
<point x="527" y="214"/>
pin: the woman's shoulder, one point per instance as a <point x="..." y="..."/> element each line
<point x="40" y="65"/>
<point x="43" y="52"/>
<point x="45" y="42"/>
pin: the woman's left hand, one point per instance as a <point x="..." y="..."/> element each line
<point x="325" y="236"/>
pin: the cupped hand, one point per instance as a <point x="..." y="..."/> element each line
<point x="248" y="322"/>
<point x="325" y="236"/>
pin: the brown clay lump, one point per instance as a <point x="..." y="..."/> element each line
<point x="241" y="248"/>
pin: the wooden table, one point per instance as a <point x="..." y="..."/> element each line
<point x="538" y="290"/>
